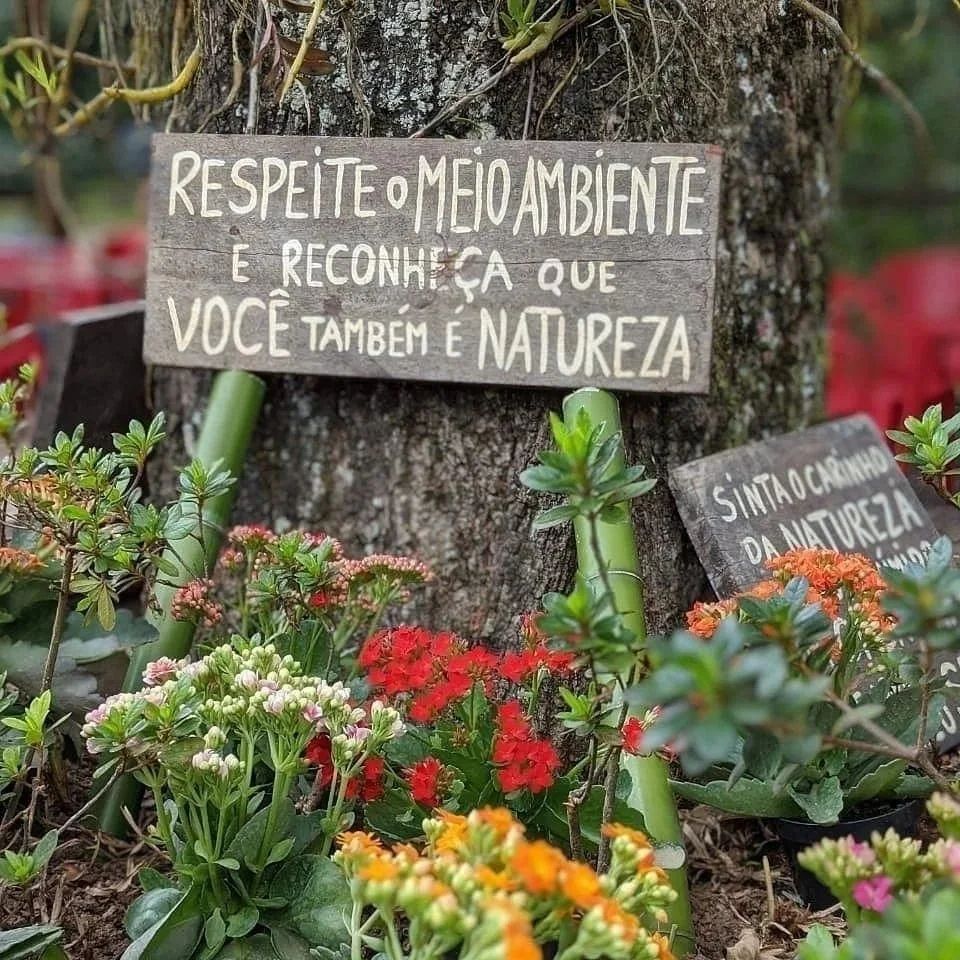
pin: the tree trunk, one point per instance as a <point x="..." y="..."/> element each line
<point x="433" y="470"/>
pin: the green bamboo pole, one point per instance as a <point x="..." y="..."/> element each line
<point x="232" y="411"/>
<point x="651" y="793"/>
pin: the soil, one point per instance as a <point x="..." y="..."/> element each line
<point x="91" y="881"/>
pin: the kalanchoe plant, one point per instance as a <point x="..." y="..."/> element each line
<point x="477" y="734"/>
<point x="932" y="445"/>
<point x="221" y="743"/>
<point x="917" y="930"/>
<point x="867" y="877"/>
<point x="481" y="890"/>
<point x="813" y="693"/>
<point x="300" y="592"/>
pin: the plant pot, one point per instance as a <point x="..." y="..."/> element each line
<point x="797" y="835"/>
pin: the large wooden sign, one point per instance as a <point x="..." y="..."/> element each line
<point x="533" y="263"/>
<point x="834" y="486"/>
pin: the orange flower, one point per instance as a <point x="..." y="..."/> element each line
<point x="379" y="870"/>
<point x="498" y="819"/>
<point x="493" y="879"/>
<point x="360" y="844"/>
<point x="518" y="942"/>
<point x="538" y="866"/>
<point x="453" y="834"/>
<point x="663" y="944"/>
<point x="615" y="915"/>
<point x="637" y="837"/>
<point x="580" y="884"/>
<point x="13" y="560"/>
<point x="704" y="618"/>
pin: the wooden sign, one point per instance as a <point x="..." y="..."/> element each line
<point x="525" y="263"/>
<point x="79" y="347"/>
<point x="835" y="486"/>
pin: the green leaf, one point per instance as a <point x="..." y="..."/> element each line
<point x="258" y="947"/>
<point x="173" y="937"/>
<point x="241" y="923"/>
<point x="823" y="802"/>
<point x="749" y="797"/>
<point x="151" y="879"/>
<point x="319" y="899"/>
<point x="147" y="909"/>
<point x="591" y="815"/>
<point x="248" y="842"/>
<point x="880" y="782"/>
<point x="215" y="931"/>
<point x="291" y="947"/>
<point x="22" y="942"/>
<point x="281" y="850"/>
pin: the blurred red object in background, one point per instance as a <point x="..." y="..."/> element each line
<point x="40" y="280"/>
<point x="894" y="337"/>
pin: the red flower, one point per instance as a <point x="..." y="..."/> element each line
<point x="435" y="669"/>
<point x="427" y="780"/>
<point x="319" y="754"/>
<point x="524" y="761"/>
<point x="631" y="736"/>
<point x="368" y="784"/>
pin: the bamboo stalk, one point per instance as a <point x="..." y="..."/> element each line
<point x="232" y="411"/>
<point x="651" y="793"/>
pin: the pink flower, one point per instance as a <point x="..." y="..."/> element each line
<point x="951" y="856"/>
<point x="876" y="893"/>
<point x="248" y="680"/>
<point x="862" y="851"/>
<point x="160" y="671"/>
<point x="312" y="713"/>
<point x="276" y="703"/>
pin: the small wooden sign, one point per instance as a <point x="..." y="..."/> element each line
<point x="502" y="262"/>
<point x="835" y="486"/>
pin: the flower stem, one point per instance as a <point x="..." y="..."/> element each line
<point x="59" y="621"/>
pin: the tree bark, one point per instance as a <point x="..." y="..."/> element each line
<point x="433" y="470"/>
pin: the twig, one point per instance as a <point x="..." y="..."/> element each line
<point x="59" y="53"/>
<point x="59" y="621"/>
<point x="891" y="89"/>
<point x="526" y="117"/>
<point x="556" y="91"/>
<point x="253" y="95"/>
<point x="771" y="899"/>
<point x="305" y="41"/>
<point x="78" y="21"/>
<point x="609" y="798"/>
<point x="165" y="92"/>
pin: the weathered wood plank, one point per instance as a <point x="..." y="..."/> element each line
<point x="581" y="263"/>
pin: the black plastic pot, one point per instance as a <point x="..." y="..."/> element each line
<point x="797" y="835"/>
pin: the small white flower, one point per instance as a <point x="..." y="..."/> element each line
<point x="247" y="680"/>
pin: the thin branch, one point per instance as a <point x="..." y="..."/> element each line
<point x="891" y="89"/>
<point x="166" y="92"/>
<point x="530" y="86"/>
<point x="59" y="53"/>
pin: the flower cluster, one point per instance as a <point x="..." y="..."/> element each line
<point x="429" y="781"/>
<point x="432" y="670"/>
<point x="631" y="733"/>
<point x="481" y="890"/>
<point x="19" y="562"/>
<point x="534" y="655"/>
<point x="523" y="760"/>
<point x="193" y="602"/>
<point x="868" y="876"/>
<point x="847" y="586"/>
<point x="435" y="670"/>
